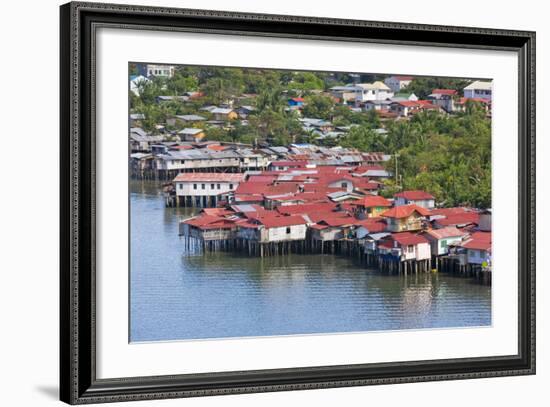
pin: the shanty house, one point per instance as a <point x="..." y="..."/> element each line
<point x="273" y="229"/>
<point x="405" y="218"/>
<point x="405" y="246"/>
<point x="440" y="239"/>
<point x="478" y="248"/>
<point x="221" y="114"/>
<point x="191" y="134"/>
<point x="420" y="198"/>
<point x="332" y="228"/>
<point x="208" y="227"/>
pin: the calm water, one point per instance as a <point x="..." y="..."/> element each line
<point x="179" y="295"/>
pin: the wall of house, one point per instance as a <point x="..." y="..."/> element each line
<point x="348" y="185"/>
<point x="186" y="188"/>
<point x="477" y="93"/>
<point x="485" y="222"/>
<point x="427" y="203"/>
<point x="404" y="224"/>
<point x="279" y="234"/>
<point x="477" y="256"/>
<point x="423" y="251"/>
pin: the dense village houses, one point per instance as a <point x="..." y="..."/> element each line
<point x="310" y="195"/>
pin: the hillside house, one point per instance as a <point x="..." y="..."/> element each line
<point x="373" y="91"/>
<point x="295" y="102"/>
<point x="398" y="82"/>
<point x="441" y="239"/>
<point x="444" y="98"/>
<point x="420" y="198"/>
<point x="405" y="218"/>
<point x="191" y="134"/>
<point x="205" y="189"/>
<point x="224" y="114"/>
<point x="479" y="89"/>
<point x="156" y="70"/>
<point x="184" y="120"/>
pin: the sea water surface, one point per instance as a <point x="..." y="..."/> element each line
<point x="177" y="295"/>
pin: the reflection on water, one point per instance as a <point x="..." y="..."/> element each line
<point x="176" y="295"/>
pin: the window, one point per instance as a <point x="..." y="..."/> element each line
<point x="410" y="248"/>
<point x="180" y="186"/>
<point x="288" y="230"/>
<point x="443" y="244"/>
<point x="194" y="186"/>
<point x="211" y="186"/>
<point x="203" y="186"/>
<point x="344" y="184"/>
<point x="230" y="186"/>
<point x="218" y="186"/>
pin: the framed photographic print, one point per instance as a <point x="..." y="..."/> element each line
<point x="255" y="203"/>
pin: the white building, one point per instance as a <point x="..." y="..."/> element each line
<point x="478" y="89"/>
<point x="397" y="82"/>
<point x="166" y="71"/>
<point x="205" y="189"/>
<point x="373" y="91"/>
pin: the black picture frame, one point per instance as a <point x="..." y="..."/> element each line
<point x="78" y="382"/>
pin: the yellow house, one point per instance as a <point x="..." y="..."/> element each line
<point x="405" y="218"/>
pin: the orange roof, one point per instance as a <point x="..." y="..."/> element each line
<point x="405" y="211"/>
<point x="374" y="201"/>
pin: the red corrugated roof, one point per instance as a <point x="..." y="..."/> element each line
<point x="281" y="221"/>
<point x="449" y="231"/>
<point x="405" y="211"/>
<point x="408" y="238"/>
<point x="210" y="222"/>
<point x="479" y="241"/>
<point x="306" y="208"/>
<point x="448" y="211"/>
<point x="208" y="177"/>
<point x="414" y="195"/>
<point x="373" y="225"/>
<point x="373" y="201"/>
<point x="459" y="219"/>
